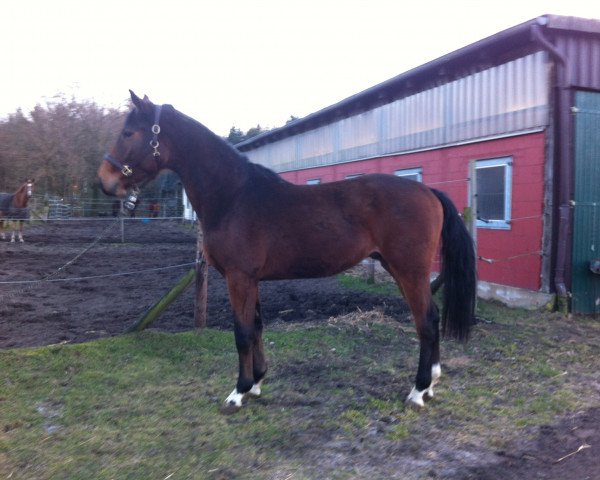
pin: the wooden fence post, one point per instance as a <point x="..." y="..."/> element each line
<point x="154" y="312"/>
<point x="201" y="283"/>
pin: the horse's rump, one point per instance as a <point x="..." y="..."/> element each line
<point x="9" y="211"/>
<point x="5" y="203"/>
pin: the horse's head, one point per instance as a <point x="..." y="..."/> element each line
<point x="135" y="159"/>
<point x="23" y="194"/>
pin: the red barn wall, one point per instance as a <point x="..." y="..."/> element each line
<point x="515" y="253"/>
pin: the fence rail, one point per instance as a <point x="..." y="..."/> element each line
<point x="54" y="208"/>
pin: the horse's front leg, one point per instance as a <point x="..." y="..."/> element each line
<point x="19" y="229"/>
<point x="243" y="294"/>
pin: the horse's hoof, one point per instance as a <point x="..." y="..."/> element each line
<point x="232" y="403"/>
<point x="415" y="406"/>
<point x="229" y="408"/>
<point x="414" y="401"/>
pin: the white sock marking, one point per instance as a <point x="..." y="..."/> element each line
<point x="436" y="373"/>
<point x="255" y="391"/>
<point x="234" y="398"/>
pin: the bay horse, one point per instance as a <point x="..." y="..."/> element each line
<point x="13" y="209"/>
<point x="258" y="226"/>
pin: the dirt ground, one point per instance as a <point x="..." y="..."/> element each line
<point x="79" y="310"/>
<point x="98" y="301"/>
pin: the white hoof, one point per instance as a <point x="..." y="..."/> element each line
<point x="415" y="399"/>
<point x="235" y="399"/>
<point x="232" y="403"/>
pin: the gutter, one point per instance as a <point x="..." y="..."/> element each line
<point x="565" y="157"/>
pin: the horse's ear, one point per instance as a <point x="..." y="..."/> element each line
<point x="135" y="99"/>
<point x="143" y="105"/>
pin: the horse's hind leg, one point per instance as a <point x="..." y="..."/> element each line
<point x="425" y="314"/>
<point x="436" y="368"/>
<point x="429" y="370"/>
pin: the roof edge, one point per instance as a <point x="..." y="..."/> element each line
<point x="446" y="67"/>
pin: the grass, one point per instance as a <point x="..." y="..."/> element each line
<point x="358" y="283"/>
<point x="146" y="405"/>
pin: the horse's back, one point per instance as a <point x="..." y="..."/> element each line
<point x="381" y="197"/>
<point x="377" y="184"/>
<point x="306" y="230"/>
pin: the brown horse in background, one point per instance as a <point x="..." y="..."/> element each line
<point x="13" y="209"/>
<point x="259" y="227"/>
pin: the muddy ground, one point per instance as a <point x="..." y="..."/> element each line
<point x="87" y="297"/>
<point x="84" y="308"/>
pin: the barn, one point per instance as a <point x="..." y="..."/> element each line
<point x="510" y="124"/>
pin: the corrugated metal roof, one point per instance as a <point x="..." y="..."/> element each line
<point x="569" y="34"/>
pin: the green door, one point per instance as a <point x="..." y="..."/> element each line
<point x="585" y="285"/>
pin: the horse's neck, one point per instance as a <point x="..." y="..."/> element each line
<point x="20" y="199"/>
<point x="211" y="170"/>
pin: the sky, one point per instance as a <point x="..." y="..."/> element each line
<point x="237" y="62"/>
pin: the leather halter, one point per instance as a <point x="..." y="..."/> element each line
<point x="127" y="170"/>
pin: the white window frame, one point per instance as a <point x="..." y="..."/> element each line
<point x="503" y="223"/>
<point x="410" y="172"/>
<point x="313" y="181"/>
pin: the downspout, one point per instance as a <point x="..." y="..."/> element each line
<point x="565" y="159"/>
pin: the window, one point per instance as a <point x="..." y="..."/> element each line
<point x="494" y="179"/>
<point x="354" y="175"/>
<point x="313" y="181"/>
<point x="415" y="174"/>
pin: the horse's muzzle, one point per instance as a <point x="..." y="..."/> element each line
<point x="110" y="182"/>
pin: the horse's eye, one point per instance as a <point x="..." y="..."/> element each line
<point x="127" y="133"/>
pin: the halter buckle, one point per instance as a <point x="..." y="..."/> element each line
<point x="127" y="171"/>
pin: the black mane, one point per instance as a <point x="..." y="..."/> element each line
<point x="261" y="173"/>
<point x="256" y="172"/>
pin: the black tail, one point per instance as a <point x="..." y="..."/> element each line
<point x="458" y="273"/>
